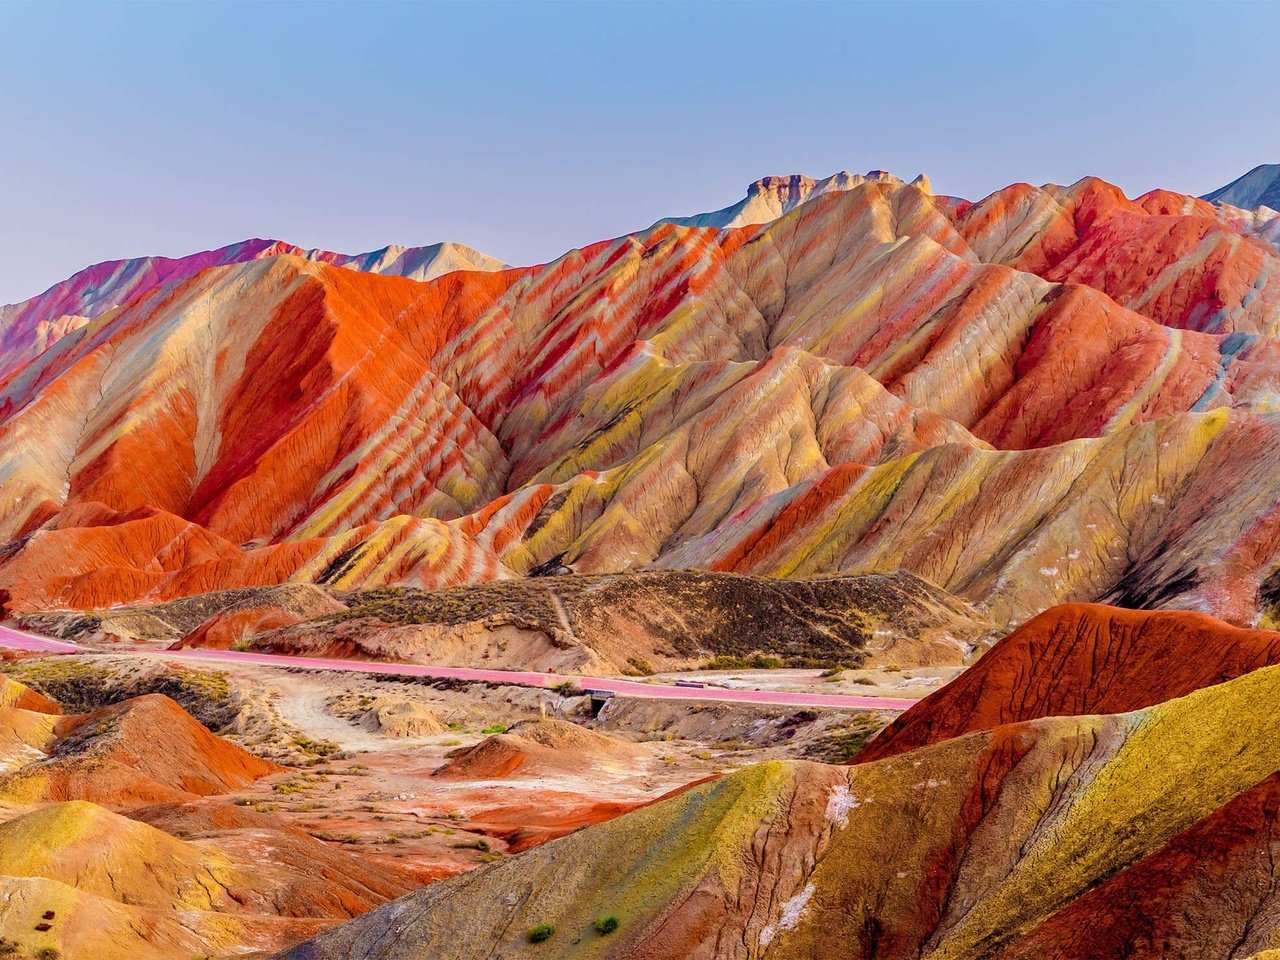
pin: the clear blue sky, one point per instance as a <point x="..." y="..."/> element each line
<point x="525" y="130"/>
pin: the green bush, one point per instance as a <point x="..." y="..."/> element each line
<point x="542" y="931"/>
<point x="606" y="925"/>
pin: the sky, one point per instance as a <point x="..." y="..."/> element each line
<point x="528" y="129"/>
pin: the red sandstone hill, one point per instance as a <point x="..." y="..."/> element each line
<point x="815" y="394"/>
<point x="1080" y="659"/>
<point x="144" y="750"/>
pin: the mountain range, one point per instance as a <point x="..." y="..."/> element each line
<point x="1004" y="473"/>
<point x="862" y="384"/>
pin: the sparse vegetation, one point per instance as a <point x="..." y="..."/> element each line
<point x="606" y="925"/>
<point x="639" y="667"/>
<point x="755" y="661"/>
<point x="843" y="743"/>
<point x="541" y="932"/>
<point x="495" y="728"/>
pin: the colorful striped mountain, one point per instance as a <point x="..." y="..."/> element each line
<point x="1054" y="394"/>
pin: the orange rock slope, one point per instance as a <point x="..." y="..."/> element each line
<point x="1056" y="394"/>
<point x="1081" y="659"/>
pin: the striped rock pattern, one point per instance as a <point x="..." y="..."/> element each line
<point x="1054" y="394"/>
<point x="1060" y="837"/>
<point x="30" y="327"/>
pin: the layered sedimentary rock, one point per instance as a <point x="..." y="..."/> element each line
<point x="144" y="750"/>
<point x="858" y="385"/>
<point x="182" y="873"/>
<point x="982" y="846"/>
<point x="32" y="326"/>
<point x="1081" y="659"/>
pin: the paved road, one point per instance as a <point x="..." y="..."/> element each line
<point x="19" y="640"/>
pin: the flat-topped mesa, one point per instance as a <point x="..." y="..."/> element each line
<point x="773" y="196"/>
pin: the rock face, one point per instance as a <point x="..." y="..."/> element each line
<point x="771" y="197"/>
<point x="1081" y="659"/>
<point x="857" y="385"/>
<point x="643" y="622"/>
<point x="997" y="843"/>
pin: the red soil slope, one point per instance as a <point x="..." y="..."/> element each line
<point x="144" y="750"/>
<point x="1079" y="659"/>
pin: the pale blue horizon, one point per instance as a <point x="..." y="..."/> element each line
<point x="525" y="130"/>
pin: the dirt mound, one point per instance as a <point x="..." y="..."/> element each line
<point x="15" y="694"/>
<point x="144" y="750"/>
<point x="539" y="748"/>
<point x="1078" y="659"/>
<point x="401" y="717"/>
<point x="642" y="622"/>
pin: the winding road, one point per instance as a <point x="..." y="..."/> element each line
<point x="33" y="643"/>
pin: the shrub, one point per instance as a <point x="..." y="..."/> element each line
<point x="495" y="728"/>
<point x="47" y="953"/>
<point x="640" y="666"/>
<point x="542" y="931"/>
<point x="606" y="925"/>
<point x="756" y="661"/>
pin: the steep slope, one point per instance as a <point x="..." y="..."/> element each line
<point x="1081" y="659"/>
<point x="1181" y="262"/>
<point x="955" y="850"/>
<point x="32" y="326"/>
<point x="1223" y="861"/>
<point x="770" y="399"/>
<point x="1260" y="187"/>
